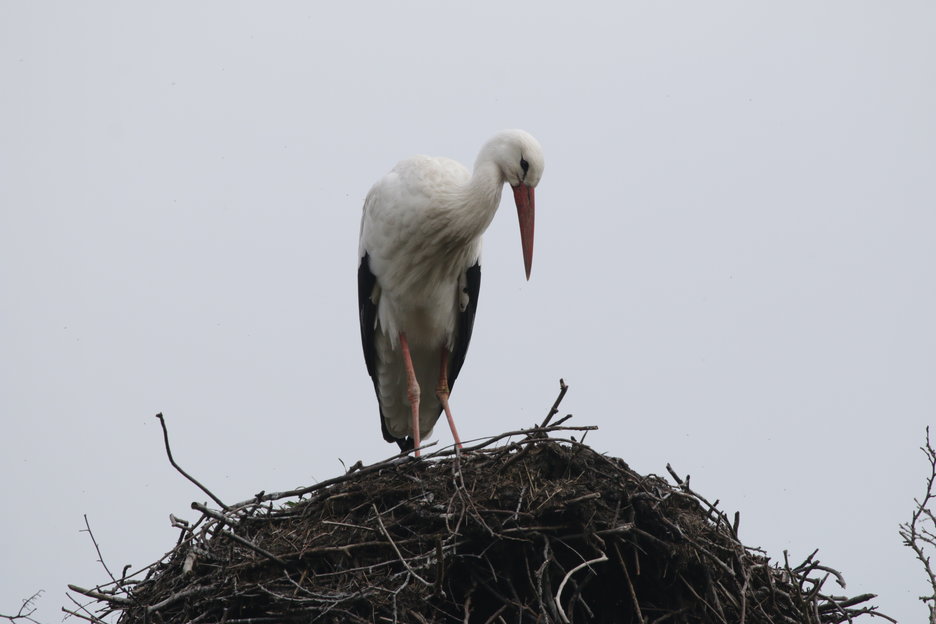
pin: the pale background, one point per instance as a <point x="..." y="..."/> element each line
<point x="734" y="270"/>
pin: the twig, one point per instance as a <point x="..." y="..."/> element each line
<point x="496" y="615"/>
<point x="841" y="603"/>
<point x="179" y="468"/>
<point x="838" y="575"/>
<point x="185" y="593"/>
<point x="217" y="515"/>
<point x="527" y="432"/>
<point x="233" y="523"/>
<point x="563" y="388"/>
<point x="98" y="549"/>
<point x="630" y="585"/>
<point x="584" y="497"/>
<point x="917" y="538"/>
<point x="565" y="418"/>
<point x="712" y="507"/>
<point x="87" y="616"/>
<point x="403" y="560"/>
<point x="568" y="575"/>
<point x="240" y="540"/>
<point x="23" y="614"/>
<point x="111" y="598"/>
<point x="399" y="459"/>
<point x="403" y="459"/>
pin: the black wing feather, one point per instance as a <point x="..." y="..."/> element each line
<point x="466" y="319"/>
<point x="367" y="312"/>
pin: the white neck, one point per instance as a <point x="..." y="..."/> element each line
<point x="471" y="207"/>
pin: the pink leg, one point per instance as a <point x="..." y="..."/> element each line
<point x="442" y="391"/>
<point x="412" y="390"/>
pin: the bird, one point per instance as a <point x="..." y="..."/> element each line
<point x="419" y="274"/>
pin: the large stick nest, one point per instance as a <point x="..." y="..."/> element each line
<point x="535" y="530"/>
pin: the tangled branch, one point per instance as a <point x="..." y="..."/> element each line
<point x="919" y="534"/>
<point x="26" y="609"/>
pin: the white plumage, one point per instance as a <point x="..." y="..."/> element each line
<point x="419" y="272"/>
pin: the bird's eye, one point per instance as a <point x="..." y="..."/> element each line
<point x="524" y="165"/>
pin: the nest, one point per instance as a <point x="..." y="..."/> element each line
<point x="538" y="529"/>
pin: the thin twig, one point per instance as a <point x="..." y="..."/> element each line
<point x="403" y="459"/>
<point x="97" y="548"/>
<point x="217" y="515"/>
<point x="240" y="540"/>
<point x="563" y="388"/>
<point x="23" y="614"/>
<point x="179" y="468"/>
<point x="403" y="560"/>
<point x="87" y="616"/>
<point x="185" y="593"/>
<point x="630" y="585"/>
<point x="917" y="537"/>
<point x="568" y="575"/>
<point x="111" y="598"/>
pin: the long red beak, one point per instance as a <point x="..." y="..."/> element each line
<point x="523" y="196"/>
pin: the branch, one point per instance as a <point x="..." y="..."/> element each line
<point x="26" y="609"/>
<point x="403" y="560"/>
<point x="179" y="468"/>
<point x="915" y="535"/>
<point x="97" y="548"/>
<point x="87" y="615"/>
<point x="111" y="598"/>
<point x="568" y="575"/>
<point x="405" y="458"/>
<point x="630" y="585"/>
<point x="563" y="388"/>
<point x="185" y="593"/>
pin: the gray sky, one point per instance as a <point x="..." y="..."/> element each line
<point x="734" y="265"/>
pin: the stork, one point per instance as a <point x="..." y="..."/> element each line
<point x="420" y="273"/>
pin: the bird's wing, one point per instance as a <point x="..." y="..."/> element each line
<point x="468" y="288"/>
<point x="367" y="312"/>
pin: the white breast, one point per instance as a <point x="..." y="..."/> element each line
<point x="417" y="264"/>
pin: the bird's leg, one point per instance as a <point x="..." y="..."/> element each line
<point x="442" y="391"/>
<point x="412" y="390"/>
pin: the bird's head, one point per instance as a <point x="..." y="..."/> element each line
<point x="520" y="160"/>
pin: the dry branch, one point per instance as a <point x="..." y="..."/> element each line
<point x="162" y="422"/>
<point x="919" y="534"/>
<point x="26" y="609"/>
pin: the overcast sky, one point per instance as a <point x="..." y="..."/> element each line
<point x="735" y="260"/>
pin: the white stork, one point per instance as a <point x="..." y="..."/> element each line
<point x="420" y="272"/>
